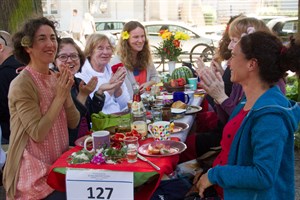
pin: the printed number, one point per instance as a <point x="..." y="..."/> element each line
<point x="100" y="193"/>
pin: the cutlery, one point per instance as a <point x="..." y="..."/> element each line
<point x="148" y="161"/>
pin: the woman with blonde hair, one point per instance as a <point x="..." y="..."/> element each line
<point x="134" y="53"/>
<point x="98" y="52"/>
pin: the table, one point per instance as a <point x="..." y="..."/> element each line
<point x="143" y="172"/>
<point x="189" y="119"/>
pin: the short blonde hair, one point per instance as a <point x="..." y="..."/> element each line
<point x="93" y="40"/>
<point x="241" y="24"/>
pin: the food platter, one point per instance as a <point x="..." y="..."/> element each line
<point x="193" y="109"/>
<point x="173" y="147"/>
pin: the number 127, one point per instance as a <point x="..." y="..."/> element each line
<point x="100" y="193"/>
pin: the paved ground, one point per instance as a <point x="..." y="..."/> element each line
<point x="297" y="178"/>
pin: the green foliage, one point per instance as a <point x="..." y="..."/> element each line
<point x="292" y="88"/>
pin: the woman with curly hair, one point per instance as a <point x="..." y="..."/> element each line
<point x="134" y="53"/>
<point x="41" y="110"/>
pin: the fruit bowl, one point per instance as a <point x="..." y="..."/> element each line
<point x="173" y="89"/>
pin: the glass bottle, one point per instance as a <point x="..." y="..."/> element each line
<point x="138" y="113"/>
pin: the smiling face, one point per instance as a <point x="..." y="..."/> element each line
<point x="101" y="55"/>
<point x="238" y="65"/>
<point x="44" y="46"/>
<point x="73" y="62"/>
<point x="233" y="42"/>
<point x="137" y="39"/>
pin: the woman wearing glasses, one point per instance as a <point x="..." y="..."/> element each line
<point x="70" y="55"/>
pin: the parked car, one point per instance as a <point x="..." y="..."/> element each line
<point x="111" y="28"/>
<point x="284" y="27"/>
<point x="198" y="44"/>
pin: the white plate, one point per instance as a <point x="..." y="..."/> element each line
<point x="177" y="110"/>
<point x="170" y="97"/>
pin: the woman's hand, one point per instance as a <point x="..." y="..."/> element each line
<point x="86" y="89"/>
<point x="216" y="66"/>
<point x="65" y="81"/>
<point x="117" y="80"/>
<point x="202" y="184"/>
<point x="213" y="84"/>
<point x="144" y="86"/>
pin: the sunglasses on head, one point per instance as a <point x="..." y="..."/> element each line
<point x="3" y="40"/>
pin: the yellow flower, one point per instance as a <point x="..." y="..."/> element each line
<point x="166" y="35"/>
<point x="170" y="47"/>
<point x="125" y="35"/>
<point x="181" y="36"/>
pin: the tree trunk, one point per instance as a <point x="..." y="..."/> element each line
<point x="15" y="12"/>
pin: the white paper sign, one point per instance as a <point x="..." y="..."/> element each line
<point x="99" y="184"/>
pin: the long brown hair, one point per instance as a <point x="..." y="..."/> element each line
<point x="143" y="59"/>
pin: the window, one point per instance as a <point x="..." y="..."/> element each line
<point x="50" y="7"/>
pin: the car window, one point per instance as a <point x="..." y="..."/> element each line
<point x="290" y="27"/>
<point x="153" y="30"/>
<point x="101" y="26"/>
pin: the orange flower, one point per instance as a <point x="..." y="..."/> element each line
<point x="176" y="43"/>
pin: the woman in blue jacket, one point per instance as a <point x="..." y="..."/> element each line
<point x="260" y="163"/>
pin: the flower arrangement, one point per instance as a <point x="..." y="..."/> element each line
<point x="170" y="47"/>
<point x="110" y="155"/>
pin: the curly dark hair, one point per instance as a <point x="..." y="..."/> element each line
<point x="273" y="58"/>
<point x="63" y="41"/>
<point x="28" y="30"/>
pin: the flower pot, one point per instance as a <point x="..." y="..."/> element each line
<point x="171" y="65"/>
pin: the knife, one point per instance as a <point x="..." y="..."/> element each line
<point x="148" y="161"/>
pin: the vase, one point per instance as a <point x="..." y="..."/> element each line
<point x="171" y="65"/>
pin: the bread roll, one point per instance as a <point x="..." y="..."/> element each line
<point x="179" y="104"/>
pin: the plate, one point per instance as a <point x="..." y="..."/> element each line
<point x="80" y="141"/>
<point x="175" y="146"/>
<point x="193" y="109"/>
<point x="170" y="97"/>
<point x="177" y="110"/>
<point x="179" y="127"/>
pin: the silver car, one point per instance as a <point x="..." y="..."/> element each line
<point x="198" y="45"/>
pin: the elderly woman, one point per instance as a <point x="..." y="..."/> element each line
<point x="133" y="52"/>
<point x="260" y="164"/>
<point x="41" y="110"/>
<point x="98" y="52"/>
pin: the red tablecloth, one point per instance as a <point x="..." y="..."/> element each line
<point x="167" y="165"/>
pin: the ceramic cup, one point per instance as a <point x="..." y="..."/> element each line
<point x="181" y="96"/>
<point x="191" y="96"/>
<point x="160" y="130"/>
<point x="193" y="82"/>
<point x="99" y="139"/>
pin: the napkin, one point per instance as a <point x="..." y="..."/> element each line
<point x="101" y="121"/>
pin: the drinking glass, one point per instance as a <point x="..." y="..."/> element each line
<point x="132" y="145"/>
<point x="156" y="113"/>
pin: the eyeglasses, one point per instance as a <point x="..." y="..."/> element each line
<point x="3" y="40"/>
<point x="64" y="57"/>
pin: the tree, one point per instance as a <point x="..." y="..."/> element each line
<point x="15" y="12"/>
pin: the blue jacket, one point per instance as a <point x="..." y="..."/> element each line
<point x="261" y="159"/>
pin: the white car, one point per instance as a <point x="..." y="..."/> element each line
<point x="198" y="45"/>
<point x="284" y="27"/>
<point x="111" y="28"/>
